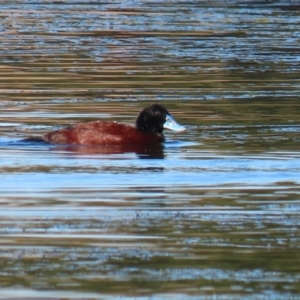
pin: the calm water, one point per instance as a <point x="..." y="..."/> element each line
<point x="214" y="214"/>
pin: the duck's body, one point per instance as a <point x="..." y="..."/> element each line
<point x="148" y="130"/>
<point x="102" y="133"/>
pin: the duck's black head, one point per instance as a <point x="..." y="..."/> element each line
<point x="155" y="118"/>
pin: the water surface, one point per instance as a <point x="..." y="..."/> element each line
<point x="214" y="213"/>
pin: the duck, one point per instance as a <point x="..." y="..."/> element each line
<point x="148" y="130"/>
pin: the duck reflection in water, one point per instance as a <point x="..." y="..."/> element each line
<point x="156" y="151"/>
<point x="145" y="139"/>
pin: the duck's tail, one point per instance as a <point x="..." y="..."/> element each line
<point x="33" y="140"/>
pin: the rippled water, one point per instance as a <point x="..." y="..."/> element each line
<point x="214" y="214"/>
